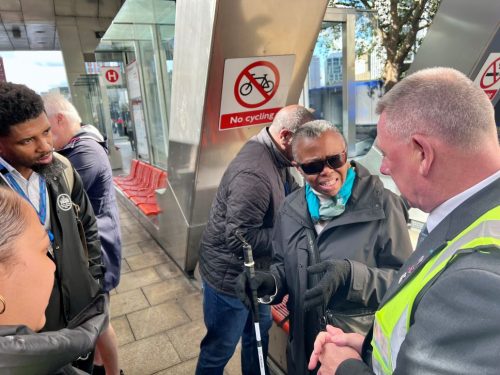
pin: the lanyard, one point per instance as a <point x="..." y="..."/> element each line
<point x="42" y="211"/>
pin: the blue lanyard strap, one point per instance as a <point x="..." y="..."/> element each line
<point x="42" y="211"/>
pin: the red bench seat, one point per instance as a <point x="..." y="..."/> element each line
<point x="281" y="315"/>
<point x="141" y="184"/>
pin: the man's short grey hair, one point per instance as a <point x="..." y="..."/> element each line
<point x="291" y="118"/>
<point x="12" y="222"/>
<point x="312" y="129"/>
<point x="56" y="103"/>
<point x="441" y="102"/>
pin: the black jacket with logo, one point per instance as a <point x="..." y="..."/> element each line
<point x="78" y="275"/>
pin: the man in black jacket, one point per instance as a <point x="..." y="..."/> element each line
<point x="249" y="195"/>
<point x="29" y="166"/>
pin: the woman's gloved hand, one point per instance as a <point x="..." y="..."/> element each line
<point x="337" y="273"/>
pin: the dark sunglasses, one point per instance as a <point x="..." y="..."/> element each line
<point x="334" y="162"/>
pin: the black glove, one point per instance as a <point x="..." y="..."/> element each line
<point x="263" y="283"/>
<point x="337" y="274"/>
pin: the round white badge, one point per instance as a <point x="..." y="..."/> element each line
<point x="64" y="202"/>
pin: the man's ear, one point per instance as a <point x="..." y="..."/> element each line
<point x="285" y="136"/>
<point x="423" y="152"/>
<point x="59" y="117"/>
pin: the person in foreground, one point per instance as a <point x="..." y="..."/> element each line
<point x="86" y="149"/>
<point x="342" y="223"/>
<point x="26" y="279"/>
<point x="55" y="191"/>
<point x="248" y="198"/>
<point x="439" y="143"/>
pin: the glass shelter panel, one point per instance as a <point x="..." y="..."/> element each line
<point x="147" y="26"/>
<point x="325" y="74"/>
<point x="368" y="86"/>
<point x="167" y="43"/>
<point x="326" y="84"/>
<point x="157" y="129"/>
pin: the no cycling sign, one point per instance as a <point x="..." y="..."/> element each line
<point x="254" y="89"/>
<point x="488" y="77"/>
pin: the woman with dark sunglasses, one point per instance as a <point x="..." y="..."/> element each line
<point x="337" y="243"/>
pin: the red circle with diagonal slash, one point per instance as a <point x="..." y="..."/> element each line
<point x="248" y="75"/>
<point x="494" y="73"/>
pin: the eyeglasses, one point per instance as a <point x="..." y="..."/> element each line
<point x="333" y="162"/>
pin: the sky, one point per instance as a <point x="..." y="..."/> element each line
<point x="39" y="70"/>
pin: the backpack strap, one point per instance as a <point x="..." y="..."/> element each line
<point x="69" y="176"/>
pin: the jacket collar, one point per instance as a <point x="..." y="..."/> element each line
<point x="86" y="132"/>
<point x="264" y="138"/>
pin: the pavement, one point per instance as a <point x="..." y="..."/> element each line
<point x="156" y="310"/>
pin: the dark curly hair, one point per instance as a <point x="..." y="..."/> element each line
<point x="18" y="104"/>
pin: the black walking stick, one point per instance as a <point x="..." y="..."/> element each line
<point x="250" y="271"/>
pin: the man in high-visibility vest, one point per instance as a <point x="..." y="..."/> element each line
<point x="441" y="315"/>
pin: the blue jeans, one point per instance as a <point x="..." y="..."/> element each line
<point x="227" y="319"/>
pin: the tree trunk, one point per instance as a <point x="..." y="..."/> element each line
<point x="390" y="75"/>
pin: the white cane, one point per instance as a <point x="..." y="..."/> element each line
<point x="250" y="270"/>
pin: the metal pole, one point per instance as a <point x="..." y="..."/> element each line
<point x="250" y="270"/>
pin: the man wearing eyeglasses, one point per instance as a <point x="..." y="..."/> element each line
<point x="342" y="223"/>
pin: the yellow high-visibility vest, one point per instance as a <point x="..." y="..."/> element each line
<point x="392" y="320"/>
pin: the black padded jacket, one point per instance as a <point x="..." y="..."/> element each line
<point x="249" y="197"/>
<point x="24" y="352"/>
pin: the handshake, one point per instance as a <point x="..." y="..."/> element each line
<point x="336" y="274"/>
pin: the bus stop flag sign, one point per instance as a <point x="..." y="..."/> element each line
<point x="254" y="89"/>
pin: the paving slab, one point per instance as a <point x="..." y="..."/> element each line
<point x="148" y="356"/>
<point x="130" y="237"/>
<point x="125" y="267"/>
<point x="137" y="279"/>
<point x="184" y="368"/>
<point x="192" y="305"/>
<point x="167" y="290"/>
<point x="145" y="260"/>
<point x="168" y="271"/>
<point x="156" y="319"/>
<point x="186" y="339"/>
<point x="150" y="245"/>
<point x="122" y="330"/>
<point x="124" y="303"/>
<point x="131" y="250"/>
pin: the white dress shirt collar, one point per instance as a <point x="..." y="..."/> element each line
<point x="444" y="209"/>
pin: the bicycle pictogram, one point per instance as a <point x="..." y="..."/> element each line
<point x="266" y="84"/>
<point x="256" y="84"/>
